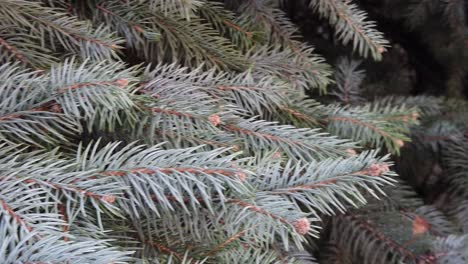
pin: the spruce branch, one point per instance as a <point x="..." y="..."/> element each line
<point x="239" y="30"/>
<point x="184" y="8"/>
<point x="348" y="81"/>
<point x="297" y="143"/>
<point x="352" y="27"/>
<point x="217" y="157"/>
<point x="369" y="241"/>
<point x="60" y="30"/>
<point x="138" y="30"/>
<point x="183" y="39"/>
<point x="156" y="172"/>
<point x="23" y="118"/>
<point x="338" y="182"/>
<point x="300" y="66"/>
<point x="17" y="45"/>
<point x="375" y="124"/>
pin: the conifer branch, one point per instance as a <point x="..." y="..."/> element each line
<point x="217" y="157"/>
<point x="305" y="144"/>
<point x="72" y="34"/>
<point x="351" y="26"/>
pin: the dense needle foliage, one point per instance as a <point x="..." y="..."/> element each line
<point x="197" y="131"/>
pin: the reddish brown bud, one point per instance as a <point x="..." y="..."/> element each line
<point x="241" y="176"/>
<point x="399" y="143"/>
<point x="420" y="226"/>
<point x="302" y="226"/>
<point x="377" y="169"/>
<point x="122" y="82"/>
<point x="109" y="198"/>
<point x="351" y="152"/>
<point x="214" y="119"/>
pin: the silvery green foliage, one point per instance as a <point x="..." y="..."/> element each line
<point x="22" y="93"/>
<point x="53" y="29"/>
<point x="190" y="158"/>
<point x="86" y="189"/>
<point x="374" y="124"/>
<point x="352" y="26"/>
<point x="399" y="228"/>
<point x="185" y="8"/>
<point x="304" y="71"/>
<point x="348" y="81"/>
<point x="452" y="250"/>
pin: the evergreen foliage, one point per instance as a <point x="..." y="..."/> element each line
<point x="182" y="131"/>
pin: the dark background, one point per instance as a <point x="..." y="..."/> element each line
<point x="427" y="53"/>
